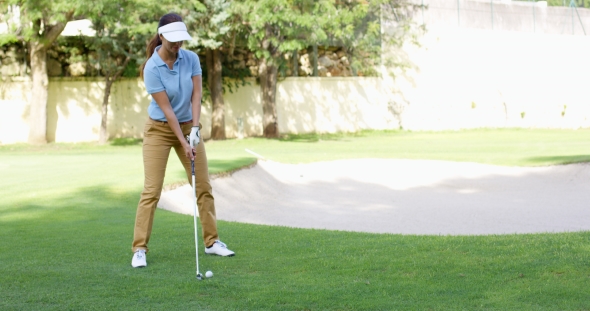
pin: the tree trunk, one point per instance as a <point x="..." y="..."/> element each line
<point x="38" y="54"/>
<point x="216" y="90"/>
<point x="104" y="136"/>
<point x="38" y="99"/>
<point x="268" y="73"/>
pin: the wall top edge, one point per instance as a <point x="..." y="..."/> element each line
<point x="510" y="2"/>
<point x="97" y="79"/>
<point x="15" y="79"/>
<point x="249" y="79"/>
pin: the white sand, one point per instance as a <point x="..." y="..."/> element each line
<point x="402" y="196"/>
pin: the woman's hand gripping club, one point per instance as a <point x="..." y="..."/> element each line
<point x="193" y="140"/>
<point x="194" y="137"/>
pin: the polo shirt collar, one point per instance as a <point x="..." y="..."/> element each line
<point x="158" y="59"/>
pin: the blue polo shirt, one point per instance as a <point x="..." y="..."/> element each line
<point x="177" y="83"/>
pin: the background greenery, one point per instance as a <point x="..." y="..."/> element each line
<point x="67" y="214"/>
<point x="577" y="3"/>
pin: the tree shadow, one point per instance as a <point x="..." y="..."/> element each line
<point x="81" y="95"/>
<point x="127" y="115"/>
<point x="128" y="104"/>
<point x="99" y="205"/>
<point x="329" y="105"/>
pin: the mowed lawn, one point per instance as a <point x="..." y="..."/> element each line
<point x="67" y="214"/>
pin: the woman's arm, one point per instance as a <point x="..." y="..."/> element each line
<point x="163" y="102"/>
<point x="196" y="99"/>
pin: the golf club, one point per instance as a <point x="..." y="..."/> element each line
<point x="199" y="275"/>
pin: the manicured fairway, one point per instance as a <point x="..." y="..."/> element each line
<point x="67" y="213"/>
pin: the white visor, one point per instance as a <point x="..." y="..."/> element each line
<point x="174" y="32"/>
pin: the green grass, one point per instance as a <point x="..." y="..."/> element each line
<point x="512" y="147"/>
<point x="67" y="214"/>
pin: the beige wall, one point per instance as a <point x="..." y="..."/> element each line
<point x="14" y="111"/>
<point x="464" y="78"/>
<point x="74" y="110"/>
<point x="304" y="105"/>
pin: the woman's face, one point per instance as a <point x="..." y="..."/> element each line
<point x="170" y="47"/>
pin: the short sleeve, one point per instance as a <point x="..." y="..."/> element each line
<point x="153" y="82"/>
<point x="197" y="71"/>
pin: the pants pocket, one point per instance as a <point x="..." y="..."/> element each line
<point x="147" y="127"/>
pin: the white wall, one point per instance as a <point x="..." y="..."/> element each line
<point x="470" y="78"/>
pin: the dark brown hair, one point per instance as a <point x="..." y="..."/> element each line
<point x="164" y="20"/>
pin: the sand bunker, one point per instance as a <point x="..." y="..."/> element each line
<point x="402" y="196"/>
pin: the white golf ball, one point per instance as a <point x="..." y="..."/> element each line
<point x="209" y="274"/>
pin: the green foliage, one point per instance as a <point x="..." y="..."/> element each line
<point x="213" y="27"/>
<point x="132" y="69"/>
<point x="74" y="51"/>
<point x="273" y="27"/>
<point x="577" y="3"/>
<point x="6" y="39"/>
<point x="209" y="22"/>
<point x="356" y="26"/>
<point x="232" y="78"/>
<point x="122" y="28"/>
<point x="9" y="15"/>
<point x="36" y="20"/>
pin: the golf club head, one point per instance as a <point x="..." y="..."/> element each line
<point x="199" y="277"/>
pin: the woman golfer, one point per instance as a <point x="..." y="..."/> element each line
<point x="173" y="78"/>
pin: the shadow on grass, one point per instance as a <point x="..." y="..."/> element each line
<point x="80" y="205"/>
<point x="581" y="158"/>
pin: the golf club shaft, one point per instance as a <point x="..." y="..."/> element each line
<point x="195" y="215"/>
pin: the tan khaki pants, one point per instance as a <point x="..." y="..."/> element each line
<point x="157" y="142"/>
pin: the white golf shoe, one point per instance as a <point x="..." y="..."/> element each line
<point x="219" y="248"/>
<point x="138" y="260"/>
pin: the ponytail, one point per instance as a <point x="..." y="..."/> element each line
<point x="150" y="51"/>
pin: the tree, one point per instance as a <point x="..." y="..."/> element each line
<point x="274" y="27"/>
<point x="368" y="29"/>
<point x="122" y="28"/>
<point x="398" y="28"/>
<point x="38" y="23"/>
<point x="355" y="26"/>
<point x="210" y="24"/>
